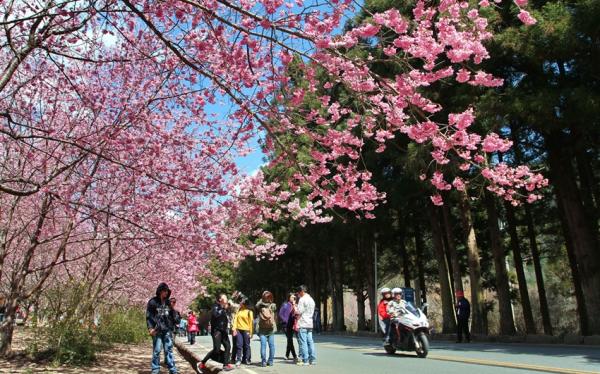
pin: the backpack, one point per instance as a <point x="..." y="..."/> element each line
<point x="266" y="320"/>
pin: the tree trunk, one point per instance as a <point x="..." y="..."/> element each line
<point x="448" y="315"/>
<point x="360" y="303"/>
<point x="405" y="258"/>
<point x="539" y="276"/>
<point x="7" y="328"/>
<point x="507" y="323"/>
<point x="338" y="293"/>
<point x="575" y="275"/>
<point x="457" y="275"/>
<point x="580" y="230"/>
<point x="477" y="316"/>
<point x="587" y="185"/>
<point x="518" y="258"/>
<point x="420" y="249"/>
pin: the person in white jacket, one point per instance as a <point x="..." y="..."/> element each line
<point x="305" y="311"/>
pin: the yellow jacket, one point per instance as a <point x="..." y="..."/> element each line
<point x="244" y="320"/>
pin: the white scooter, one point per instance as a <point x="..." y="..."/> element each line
<point x="409" y="332"/>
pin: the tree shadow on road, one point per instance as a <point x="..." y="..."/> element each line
<point x="589" y="354"/>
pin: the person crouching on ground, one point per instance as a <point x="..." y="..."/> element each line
<point x="384" y="317"/>
<point x="161" y="320"/>
<point x="243" y="324"/>
<point x="219" y="330"/>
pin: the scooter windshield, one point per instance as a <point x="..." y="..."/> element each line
<point x="411" y="308"/>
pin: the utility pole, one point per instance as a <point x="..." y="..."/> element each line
<point x="375" y="314"/>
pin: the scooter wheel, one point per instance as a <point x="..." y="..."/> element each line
<point x="424" y="350"/>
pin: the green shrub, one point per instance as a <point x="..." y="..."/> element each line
<point x="70" y="342"/>
<point x="124" y="325"/>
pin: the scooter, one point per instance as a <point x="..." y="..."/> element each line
<point x="409" y="332"/>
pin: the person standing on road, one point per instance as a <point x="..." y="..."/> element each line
<point x="287" y="316"/>
<point x="234" y="306"/>
<point x="242" y="331"/>
<point x="183" y="327"/>
<point x="161" y="320"/>
<point x="192" y="327"/>
<point x="463" y="312"/>
<point x="219" y="330"/>
<point x="266" y="310"/>
<point x="384" y="317"/>
<point x="304" y="312"/>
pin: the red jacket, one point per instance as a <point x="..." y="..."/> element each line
<point x="192" y="324"/>
<point x="382" y="309"/>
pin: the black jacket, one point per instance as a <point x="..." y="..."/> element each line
<point x="159" y="315"/>
<point x="219" y="318"/>
<point x="463" y="309"/>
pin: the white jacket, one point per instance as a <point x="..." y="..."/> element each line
<point x="306" y="309"/>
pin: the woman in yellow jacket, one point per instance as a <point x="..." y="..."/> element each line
<point x="243" y="325"/>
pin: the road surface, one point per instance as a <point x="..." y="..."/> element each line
<point x="337" y="354"/>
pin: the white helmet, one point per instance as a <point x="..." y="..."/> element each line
<point x="396" y="290"/>
<point x="385" y="290"/>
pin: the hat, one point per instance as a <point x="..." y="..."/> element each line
<point x="396" y="290"/>
<point x="385" y="290"/>
<point x="459" y="294"/>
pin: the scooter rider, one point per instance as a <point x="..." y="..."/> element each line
<point x="397" y="306"/>
<point x="384" y="317"/>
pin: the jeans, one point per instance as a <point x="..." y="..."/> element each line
<point x="219" y="337"/>
<point x="387" y="325"/>
<point x="191" y="337"/>
<point x="242" y="345"/>
<point x="270" y="339"/>
<point x="307" y="345"/>
<point x="158" y="341"/>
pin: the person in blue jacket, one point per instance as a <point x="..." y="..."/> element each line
<point x="161" y="320"/>
<point x="463" y="312"/>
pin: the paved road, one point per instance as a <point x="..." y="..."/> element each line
<point x="364" y="355"/>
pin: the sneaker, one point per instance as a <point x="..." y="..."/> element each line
<point x="228" y="367"/>
<point x="238" y="364"/>
<point x="263" y="364"/>
<point x="202" y="366"/>
<point x="300" y="363"/>
<point x="269" y="364"/>
<point x="313" y="363"/>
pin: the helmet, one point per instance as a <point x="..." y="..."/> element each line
<point x="396" y="290"/>
<point x="385" y="290"/>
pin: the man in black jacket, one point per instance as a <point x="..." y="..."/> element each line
<point x="219" y="323"/>
<point x="463" y="312"/>
<point x="161" y="320"/>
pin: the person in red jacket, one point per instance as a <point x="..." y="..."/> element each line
<point x="384" y="318"/>
<point x="192" y="327"/>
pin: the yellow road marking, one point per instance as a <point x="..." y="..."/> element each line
<point x="512" y="365"/>
<point x="474" y="361"/>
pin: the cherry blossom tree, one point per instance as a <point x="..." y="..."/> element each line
<point x="117" y="169"/>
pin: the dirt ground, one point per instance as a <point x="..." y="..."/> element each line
<point x="122" y="359"/>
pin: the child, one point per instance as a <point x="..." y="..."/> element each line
<point x="243" y="326"/>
